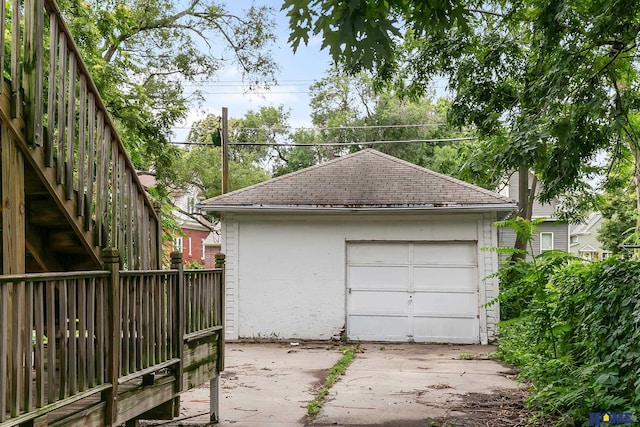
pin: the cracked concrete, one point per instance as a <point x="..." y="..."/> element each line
<point x="387" y="384"/>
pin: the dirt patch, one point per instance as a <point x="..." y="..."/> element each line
<point x="502" y="408"/>
<point x="321" y="376"/>
<point x="439" y="386"/>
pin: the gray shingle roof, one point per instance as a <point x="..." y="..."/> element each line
<point x="366" y="179"/>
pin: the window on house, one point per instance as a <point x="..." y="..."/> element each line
<point x="203" y="248"/>
<point x="546" y="241"/>
<point x="177" y="244"/>
<point x="574" y="239"/>
<point x="605" y="254"/>
<point x="189" y="246"/>
<point x="191" y="205"/>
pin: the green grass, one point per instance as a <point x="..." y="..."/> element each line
<point x="476" y="356"/>
<point x="348" y="354"/>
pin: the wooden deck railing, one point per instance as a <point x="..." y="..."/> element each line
<point x="69" y="131"/>
<point x="68" y="336"/>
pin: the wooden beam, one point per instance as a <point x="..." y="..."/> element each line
<point x="13" y="259"/>
<point x="44" y="212"/>
<point x="37" y="249"/>
<point x="111" y="259"/>
<point x="36" y="157"/>
<point x="13" y="206"/>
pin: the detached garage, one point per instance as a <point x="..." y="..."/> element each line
<point x="367" y="245"/>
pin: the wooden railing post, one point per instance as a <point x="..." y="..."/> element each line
<point x="111" y="259"/>
<point x="157" y="207"/>
<point x="220" y="263"/>
<point x="180" y="312"/>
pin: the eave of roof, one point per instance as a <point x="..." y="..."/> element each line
<point x="506" y="207"/>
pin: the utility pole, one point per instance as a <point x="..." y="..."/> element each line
<point x="225" y="150"/>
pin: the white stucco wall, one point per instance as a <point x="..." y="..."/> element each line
<point x="286" y="273"/>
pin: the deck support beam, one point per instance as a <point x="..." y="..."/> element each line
<point x="13" y="206"/>
<point x="214" y="399"/>
<point x="13" y="262"/>
<point x="111" y="259"/>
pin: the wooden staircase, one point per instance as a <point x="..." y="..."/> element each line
<point x="88" y="318"/>
<point x="68" y="187"/>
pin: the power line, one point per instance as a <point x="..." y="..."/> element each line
<point x="287" y="82"/>
<point x="332" y="144"/>
<point x="256" y="92"/>
<point x="332" y="127"/>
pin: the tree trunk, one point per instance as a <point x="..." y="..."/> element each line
<point x="525" y="209"/>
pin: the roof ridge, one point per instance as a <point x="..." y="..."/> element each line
<point x="290" y="174"/>
<point x="359" y="182"/>
<point x="441" y="175"/>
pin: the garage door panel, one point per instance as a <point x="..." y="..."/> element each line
<point x="378" y="302"/>
<point x="453" y="278"/>
<point x="369" y="327"/>
<point x="445" y="329"/>
<point x="445" y="303"/>
<point x="457" y="253"/>
<point x="421" y="291"/>
<point x="371" y="276"/>
<point x="378" y="252"/>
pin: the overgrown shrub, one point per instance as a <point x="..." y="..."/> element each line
<point x="574" y="333"/>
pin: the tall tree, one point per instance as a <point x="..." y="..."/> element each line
<point x="201" y="165"/>
<point x="547" y="85"/>
<point x="143" y="54"/>
<point x="346" y="109"/>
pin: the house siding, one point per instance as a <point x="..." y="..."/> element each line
<point x="546" y="210"/>
<point x="589" y="238"/>
<point x="286" y="274"/>
<point x="230" y="249"/>
<point x="560" y="236"/>
<point x="490" y="284"/>
<point x="507" y="237"/>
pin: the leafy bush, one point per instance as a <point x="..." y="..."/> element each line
<point x="574" y="333"/>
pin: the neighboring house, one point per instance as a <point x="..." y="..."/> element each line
<point x="198" y="232"/>
<point x="368" y="245"/>
<point x="584" y="239"/>
<point x="199" y="239"/>
<point x="552" y="233"/>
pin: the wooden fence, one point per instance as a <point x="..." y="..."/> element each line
<point x="71" y="136"/>
<point x="74" y="335"/>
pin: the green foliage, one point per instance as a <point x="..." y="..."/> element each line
<point x="573" y="329"/>
<point x="193" y="265"/>
<point x="143" y="55"/>
<point x="201" y="165"/>
<point x="619" y="223"/>
<point x="550" y="85"/>
<point x="618" y="210"/>
<point x="347" y="109"/>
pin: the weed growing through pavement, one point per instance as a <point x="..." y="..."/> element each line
<point x="348" y="354"/>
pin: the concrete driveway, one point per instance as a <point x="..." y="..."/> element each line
<point x="387" y="384"/>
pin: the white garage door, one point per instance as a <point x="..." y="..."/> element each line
<point x="413" y="291"/>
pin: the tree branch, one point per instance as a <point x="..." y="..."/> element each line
<point x="160" y="23"/>
<point x="196" y="217"/>
<point x="486" y="12"/>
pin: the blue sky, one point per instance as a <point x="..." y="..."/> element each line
<point x="297" y="73"/>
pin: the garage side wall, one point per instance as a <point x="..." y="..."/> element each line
<point x="286" y="274"/>
<point x="490" y="285"/>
